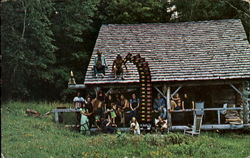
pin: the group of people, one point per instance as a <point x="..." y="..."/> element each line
<point x="177" y="102"/>
<point x="106" y="111"/>
<point x="100" y="65"/>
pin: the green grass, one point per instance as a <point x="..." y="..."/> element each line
<point x="24" y="136"/>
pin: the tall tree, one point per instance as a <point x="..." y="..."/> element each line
<point x="26" y="44"/>
<point x="73" y="34"/>
<point x="131" y="11"/>
<point x="196" y="10"/>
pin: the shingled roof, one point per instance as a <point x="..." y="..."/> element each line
<point x="205" y="50"/>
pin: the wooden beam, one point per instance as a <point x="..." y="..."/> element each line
<point x="183" y="127"/>
<point x="168" y="103"/>
<point x="197" y="82"/>
<point x="209" y="109"/>
<point x="76" y="86"/>
<point x="210" y="127"/>
<point x="218" y="115"/>
<point x="56" y="117"/>
<point x="169" y="107"/>
<point x="176" y="91"/>
<point x="115" y="85"/>
<point x="245" y="102"/>
<point x="159" y="91"/>
<point x="108" y="91"/>
<point x="186" y="110"/>
<point x="236" y="89"/>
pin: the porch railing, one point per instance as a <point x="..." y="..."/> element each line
<point x="56" y="111"/>
<point x="212" y="109"/>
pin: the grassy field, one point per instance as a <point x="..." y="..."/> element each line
<point x="24" y="136"/>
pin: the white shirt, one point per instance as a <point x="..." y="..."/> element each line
<point x="79" y="99"/>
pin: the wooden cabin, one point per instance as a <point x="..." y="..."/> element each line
<point x="208" y="60"/>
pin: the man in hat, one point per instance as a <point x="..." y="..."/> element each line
<point x="160" y="105"/>
<point x="99" y="64"/>
<point x="117" y="66"/>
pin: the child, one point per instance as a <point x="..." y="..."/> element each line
<point x="161" y="124"/>
<point x="134" y="126"/>
<point x="112" y="113"/>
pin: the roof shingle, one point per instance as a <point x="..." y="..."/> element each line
<point x="204" y="50"/>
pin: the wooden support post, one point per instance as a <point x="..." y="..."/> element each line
<point x="244" y="93"/>
<point x="245" y="101"/>
<point x="169" y="108"/>
<point x="97" y="89"/>
<point x="168" y="103"/>
<point x="235" y="89"/>
<point x="159" y="91"/>
<point x="218" y="113"/>
<point x="56" y="117"/>
<point x="176" y="91"/>
<point x="108" y="91"/>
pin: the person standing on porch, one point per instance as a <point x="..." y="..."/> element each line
<point x="124" y="108"/>
<point x="160" y="106"/>
<point x="188" y="103"/>
<point x="176" y="103"/>
<point x="134" y="104"/>
<point x="100" y="64"/>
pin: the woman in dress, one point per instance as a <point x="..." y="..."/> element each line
<point x="84" y="123"/>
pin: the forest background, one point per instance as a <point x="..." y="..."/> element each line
<point x="43" y="40"/>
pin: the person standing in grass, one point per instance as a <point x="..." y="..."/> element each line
<point x="89" y="107"/>
<point x="84" y="123"/>
<point x="78" y="102"/>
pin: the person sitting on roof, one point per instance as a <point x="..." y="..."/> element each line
<point x="117" y="66"/>
<point x="100" y="64"/>
<point x="160" y="105"/>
